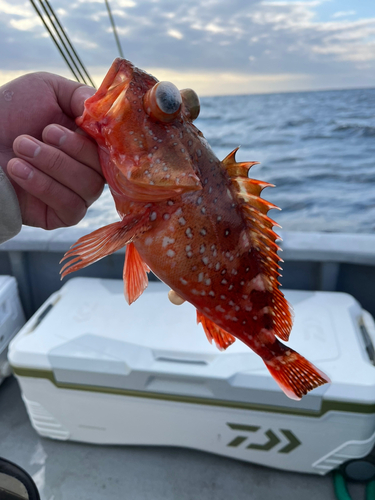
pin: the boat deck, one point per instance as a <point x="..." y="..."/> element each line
<point x="75" y="471"/>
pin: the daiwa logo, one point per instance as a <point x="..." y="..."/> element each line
<point x="271" y="439"/>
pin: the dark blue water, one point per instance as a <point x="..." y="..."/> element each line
<point x="317" y="147"/>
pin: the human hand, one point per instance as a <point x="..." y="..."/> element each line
<point x="54" y="170"/>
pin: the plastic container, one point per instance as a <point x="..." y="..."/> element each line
<point x="95" y="370"/>
<point x="11" y="319"/>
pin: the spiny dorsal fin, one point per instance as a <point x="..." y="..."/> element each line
<point x="261" y="236"/>
<point x="235" y="169"/>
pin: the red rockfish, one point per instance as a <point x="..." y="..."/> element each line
<point x="197" y="222"/>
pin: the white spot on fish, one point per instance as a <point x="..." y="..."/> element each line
<point x="167" y="241"/>
<point x="149" y="240"/>
<point x="205" y="261"/>
<point x="199" y="200"/>
<point x="219" y="309"/>
<point x="203" y="210"/>
<point x="203" y="232"/>
<point x="184" y="282"/>
<point x="188" y="233"/>
<point x="218" y="218"/>
<point x="208" y="281"/>
<point x="153" y="216"/>
<point x="217" y="266"/>
<point x="211" y="293"/>
<point x="257" y="283"/>
<point x="166" y="216"/>
<point x="170" y="202"/>
<point x="171" y="253"/>
<point x="202" y="249"/>
<point x="200" y="277"/>
<point x="182" y="221"/>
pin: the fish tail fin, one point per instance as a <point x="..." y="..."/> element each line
<point x="294" y="374"/>
<point x="102" y="242"/>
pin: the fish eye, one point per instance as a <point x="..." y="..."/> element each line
<point x="191" y="101"/>
<point x="163" y="101"/>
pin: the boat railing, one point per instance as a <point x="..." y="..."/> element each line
<point x="312" y="261"/>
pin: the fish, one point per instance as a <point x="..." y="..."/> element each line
<point x="198" y="223"/>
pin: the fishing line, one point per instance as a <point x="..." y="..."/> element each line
<point x="76" y="67"/>
<point x="114" y="28"/>
<point x="68" y="42"/>
<point x="54" y="40"/>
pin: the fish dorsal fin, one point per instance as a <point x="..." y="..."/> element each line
<point x="261" y="236"/>
<point x="103" y="242"/>
<point x="135" y="274"/>
<point x="214" y="333"/>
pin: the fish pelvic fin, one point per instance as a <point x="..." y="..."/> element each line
<point x="214" y="333"/>
<point x="135" y="274"/>
<point x="103" y="242"/>
<point x="260" y="238"/>
<point x="293" y="373"/>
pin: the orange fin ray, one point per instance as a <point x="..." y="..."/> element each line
<point x="214" y="333"/>
<point x="103" y="242"/>
<point x="237" y="169"/>
<point x="294" y="374"/>
<point x="250" y="186"/>
<point x="135" y="274"/>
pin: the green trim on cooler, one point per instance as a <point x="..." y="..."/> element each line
<point x="339" y="406"/>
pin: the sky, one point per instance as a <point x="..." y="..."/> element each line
<point x="217" y="47"/>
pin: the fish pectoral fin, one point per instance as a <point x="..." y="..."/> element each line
<point x="214" y="333"/>
<point x="103" y="242"/>
<point x="135" y="274"/>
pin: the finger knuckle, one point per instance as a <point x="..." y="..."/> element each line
<point x="56" y="163"/>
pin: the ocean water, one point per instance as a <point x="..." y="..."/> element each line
<point x="318" y="148"/>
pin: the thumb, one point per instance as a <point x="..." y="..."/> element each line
<point x="79" y="96"/>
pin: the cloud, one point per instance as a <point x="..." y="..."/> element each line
<point x="344" y="13"/>
<point x="211" y="37"/>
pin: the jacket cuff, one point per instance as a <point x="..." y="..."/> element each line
<point x="10" y="213"/>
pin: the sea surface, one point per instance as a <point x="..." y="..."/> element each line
<point x="318" y="148"/>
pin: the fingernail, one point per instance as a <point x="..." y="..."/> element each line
<point x="55" y="136"/>
<point x="28" y="147"/>
<point x="20" y="169"/>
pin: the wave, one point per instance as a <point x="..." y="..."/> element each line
<point x="356" y="129"/>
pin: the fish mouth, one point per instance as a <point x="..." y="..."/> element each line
<point x="113" y="88"/>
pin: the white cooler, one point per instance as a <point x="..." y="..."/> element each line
<point x="93" y="369"/>
<point x="11" y="319"/>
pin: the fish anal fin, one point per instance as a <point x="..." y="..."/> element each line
<point x="135" y="274"/>
<point x="103" y="242"/>
<point x="214" y="333"/>
<point x="294" y="374"/>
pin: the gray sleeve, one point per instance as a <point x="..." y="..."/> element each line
<point x="10" y="213"/>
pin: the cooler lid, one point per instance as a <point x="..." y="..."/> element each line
<point x="86" y="335"/>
